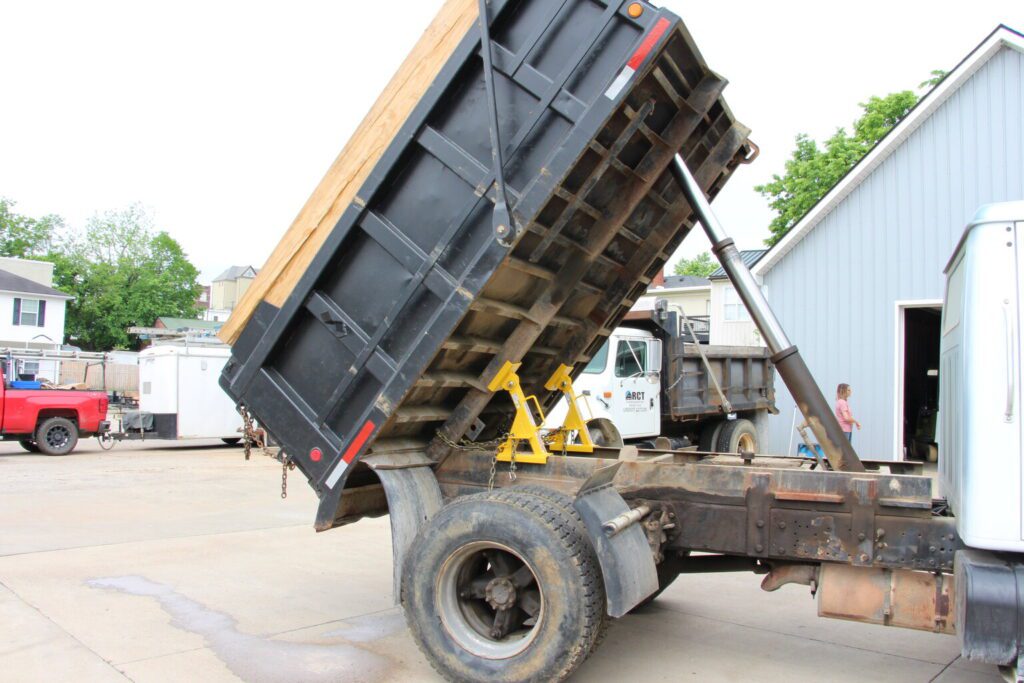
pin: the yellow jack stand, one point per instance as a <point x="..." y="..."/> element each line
<point x="526" y="429"/>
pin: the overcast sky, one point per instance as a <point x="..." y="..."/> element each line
<point x="221" y="117"/>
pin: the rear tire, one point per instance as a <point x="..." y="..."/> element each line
<point x="456" y="571"/>
<point x="709" y="436"/>
<point x="29" y="445"/>
<point x="738" y="435"/>
<point x="232" y="441"/>
<point x="56" y="436"/>
<point x="564" y="503"/>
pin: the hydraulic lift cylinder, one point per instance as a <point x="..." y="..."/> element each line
<point x="785" y="356"/>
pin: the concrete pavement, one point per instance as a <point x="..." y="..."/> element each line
<point x="168" y="562"/>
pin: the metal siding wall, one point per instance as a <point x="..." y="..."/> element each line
<point x="889" y="240"/>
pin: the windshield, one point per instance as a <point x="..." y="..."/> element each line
<point x="598" y="362"/>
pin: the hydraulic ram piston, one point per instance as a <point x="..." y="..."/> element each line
<point x="792" y="369"/>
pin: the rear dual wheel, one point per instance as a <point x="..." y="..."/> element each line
<point x="504" y="586"/>
<point x="729" y="436"/>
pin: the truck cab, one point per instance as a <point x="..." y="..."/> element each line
<point x="622" y="384"/>
<point x="981" y="446"/>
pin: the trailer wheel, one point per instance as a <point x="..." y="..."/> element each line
<point x="232" y="441"/>
<point x="57" y="436"/>
<point x="709" y="436"/>
<point x="603" y="432"/>
<point x="738" y="435"/>
<point x="29" y="445"/>
<point x="501" y="586"/>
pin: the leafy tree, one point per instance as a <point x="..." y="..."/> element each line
<point x="700" y="265"/>
<point x="24" y="237"/>
<point x="813" y="170"/>
<point x="122" y="273"/>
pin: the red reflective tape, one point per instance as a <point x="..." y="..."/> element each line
<point x="357" y="443"/>
<point x="645" y="47"/>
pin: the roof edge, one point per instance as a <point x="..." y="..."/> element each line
<point x="1000" y="37"/>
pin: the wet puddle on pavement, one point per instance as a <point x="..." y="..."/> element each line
<point x="261" y="659"/>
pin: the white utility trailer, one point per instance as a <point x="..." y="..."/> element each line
<point x="179" y="397"/>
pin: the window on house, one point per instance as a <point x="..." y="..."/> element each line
<point x="30" y="312"/>
<point x="734" y="308"/>
<point x="30" y="368"/>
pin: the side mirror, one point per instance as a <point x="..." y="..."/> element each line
<point x="653" y="376"/>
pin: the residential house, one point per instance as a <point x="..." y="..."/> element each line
<point x="687" y="294"/>
<point x="31" y="313"/>
<point x="730" y="322"/>
<point x="227" y="289"/>
<point x="858" y="283"/>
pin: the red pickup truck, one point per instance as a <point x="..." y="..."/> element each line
<point x="50" y="421"/>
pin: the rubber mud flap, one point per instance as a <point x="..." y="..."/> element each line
<point x="630" y="574"/>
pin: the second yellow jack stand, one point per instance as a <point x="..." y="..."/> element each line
<point x="526" y="429"/>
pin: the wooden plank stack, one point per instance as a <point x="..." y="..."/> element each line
<point x="346" y="175"/>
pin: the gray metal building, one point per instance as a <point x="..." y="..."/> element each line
<point x="858" y="283"/>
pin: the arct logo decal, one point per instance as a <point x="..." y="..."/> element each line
<point x="635" y="395"/>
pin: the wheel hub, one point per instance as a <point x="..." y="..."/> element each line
<point x="500" y="593"/>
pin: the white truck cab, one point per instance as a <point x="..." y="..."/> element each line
<point x="981" y="449"/>
<point x="622" y="383"/>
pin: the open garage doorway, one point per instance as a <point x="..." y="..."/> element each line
<point x="917" y="404"/>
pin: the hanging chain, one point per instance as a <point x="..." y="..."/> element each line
<point x="253" y="437"/>
<point x="286" y="464"/>
<point x="512" y="461"/>
<point x="248" y="433"/>
<point x="494" y="471"/>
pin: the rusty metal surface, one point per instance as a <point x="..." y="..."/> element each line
<point x="908" y="599"/>
<point x="785" y="513"/>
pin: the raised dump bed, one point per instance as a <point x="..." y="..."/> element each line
<point x="414" y="302"/>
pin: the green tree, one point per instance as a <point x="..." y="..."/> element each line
<point x="122" y="273"/>
<point x="812" y="170"/>
<point x="700" y="265"/>
<point x="24" y="237"/>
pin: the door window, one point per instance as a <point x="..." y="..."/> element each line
<point x="631" y="359"/>
<point x="598" y="363"/>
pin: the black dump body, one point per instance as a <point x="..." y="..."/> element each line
<point x="744" y="373"/>
<point x="413" y="304"/>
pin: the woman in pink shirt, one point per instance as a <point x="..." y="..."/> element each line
<point x="843" y="413"/>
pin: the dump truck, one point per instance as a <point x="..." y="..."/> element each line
<point x="402" y="364"/>
<point x="649" y="381"/>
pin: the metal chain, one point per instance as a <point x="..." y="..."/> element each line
<point x="494" y="471"/>
<point x="286" y="464"/>
<point x="512" y="462"/>
<point x="254" y="437"/>
<point x="248" y="433"/>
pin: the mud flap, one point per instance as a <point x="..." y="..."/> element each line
<point x="413" y="498"/>
<point x="628" y="567"/>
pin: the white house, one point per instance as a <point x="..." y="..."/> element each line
<point x="31" y="312"/>
<point x="687" y="294"/>
<point x="730" y="322"/>
<point x="858" y="282"/>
